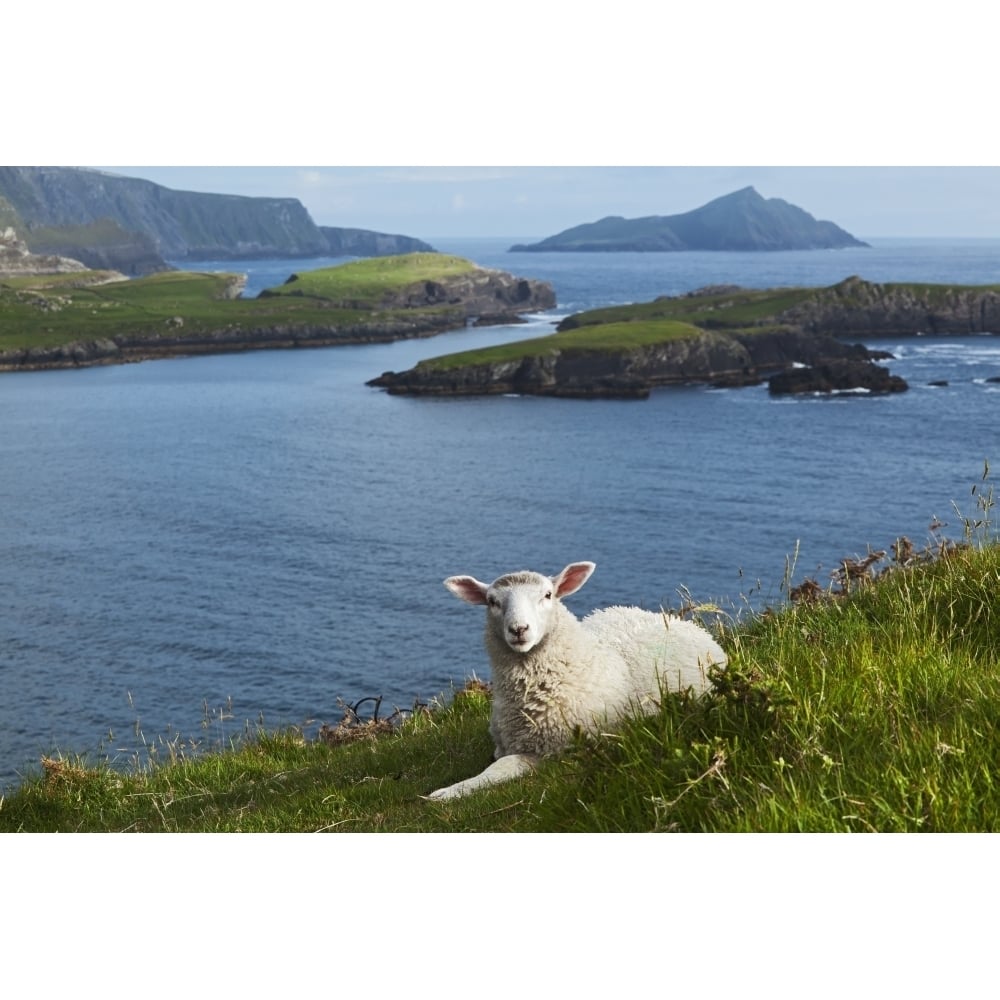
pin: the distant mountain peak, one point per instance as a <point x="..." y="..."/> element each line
<point x="741" y="220"/>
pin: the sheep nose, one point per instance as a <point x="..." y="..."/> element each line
<point x="518" y="631"/>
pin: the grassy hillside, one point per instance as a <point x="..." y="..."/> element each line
<point x="51" y="310"/>
<point x="870" y="705"/>
<point x="607" y="337"/>
<point x="372" y="279"/>
<point x="745" y="311"/>
<point x="733" y="309"/>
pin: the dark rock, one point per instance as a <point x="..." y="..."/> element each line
<point x="858" y="308"/>
<point x="939" y="383"/>
<point x="837" y="377"/>
<point x="719" y="359"/>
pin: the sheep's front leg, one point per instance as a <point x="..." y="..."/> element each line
<point x="504" y="769"/>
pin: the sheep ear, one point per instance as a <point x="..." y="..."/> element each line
<point x="572" y="578"/>
<point x="467" y="588"/>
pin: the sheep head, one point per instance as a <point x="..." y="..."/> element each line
<point x="519" y="605"/>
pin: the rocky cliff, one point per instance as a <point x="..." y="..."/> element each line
<point x="17" y="260"/>
<point x="182" y="313"/>
<point x="478" y="294"/>
<point x="484" y="294"/>
<point x="723" y="359"/>
<point x="742" y="220"/>
<point x="736" y="336"/>
<point x="856" y="307"/>
<point x="136" y="225"/>
<point x="366" y="243"/>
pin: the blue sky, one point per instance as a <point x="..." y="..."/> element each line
<point x="821" y="86"/>
<point x="430" y="202"/>
<point x="842" y="95"/>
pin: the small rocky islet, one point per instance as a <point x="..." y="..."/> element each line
<point x="798" y="340"/>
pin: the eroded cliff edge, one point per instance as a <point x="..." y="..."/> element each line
<point x="182" y="313"/>
<point x="723" y="335"/>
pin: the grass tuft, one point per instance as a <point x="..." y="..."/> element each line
<point x="874" y="705"/>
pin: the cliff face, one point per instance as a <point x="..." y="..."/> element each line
<point x="742" y="220"/>
<point x="136" y="224"/>
<point x="857" y="307"/>
<point x="365" y="243"/>
<point x="180" y="223"/>
<point x="743" y="337"/>
<point x="720" y="358"/>
<point x="182" y="313"/>
<point x="484" y="294"/>
<point x="17" y="260"/>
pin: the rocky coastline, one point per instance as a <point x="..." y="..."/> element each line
<point x="230" y="340"/>
<point x="478" y="296"/>
<point x="804" y="345"/>
<point x="723" y="360"/>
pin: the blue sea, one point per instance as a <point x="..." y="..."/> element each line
<point x="195" y="547"/>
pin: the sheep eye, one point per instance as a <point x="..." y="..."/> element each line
<point x="548" y="595"/>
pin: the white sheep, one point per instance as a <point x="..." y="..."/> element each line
<point x="553" y="672"/>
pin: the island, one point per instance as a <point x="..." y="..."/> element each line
<point x="135" y="226"/>
<point x="743" y="220"/>
<point x="55" y="313"/>
<point x="723" y="336"/>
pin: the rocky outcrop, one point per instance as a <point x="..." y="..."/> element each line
<point x="481" y="295"/>
<point x="835" y="377"/>
<point x="742" y="220"/>
<point x="366" y="243"/>
<point x="719" y="358"/>
<point x="855" y="307"/>
<point x="484" y="294"/>
<point x="101" y="246"/>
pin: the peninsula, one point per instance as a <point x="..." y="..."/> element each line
<point x="721" y="335"/>
<point x="742" y="220"/>
<point x="56" y="315"/>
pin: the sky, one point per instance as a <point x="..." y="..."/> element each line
<point x="511" y="201"/>
<point x="450" y="119"/>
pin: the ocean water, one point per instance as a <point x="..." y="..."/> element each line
<point x="196" y="545"/>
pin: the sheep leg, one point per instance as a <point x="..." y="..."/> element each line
<point x="505" y="769"/>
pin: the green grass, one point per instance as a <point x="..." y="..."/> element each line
<point x="607" y="337"/>
<point x="369" y="280"/>
<point x="871" y="708"/>
<point x="51" y="310"/>
<point x="721" y="309"/>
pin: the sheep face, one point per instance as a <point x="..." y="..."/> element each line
<point x="519" y="605"/>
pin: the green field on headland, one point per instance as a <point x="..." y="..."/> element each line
<point x="721" y="335"/>
<point x="870" y="704"/>
<point x="608" y="337"/>
<point x="369" y="280"/>
<point x="379" y="299"/>
<point x="851" y="308"/>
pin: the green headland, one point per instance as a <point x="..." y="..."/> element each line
<point x="869" y="704"/>
<point x="89" y="317"/>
